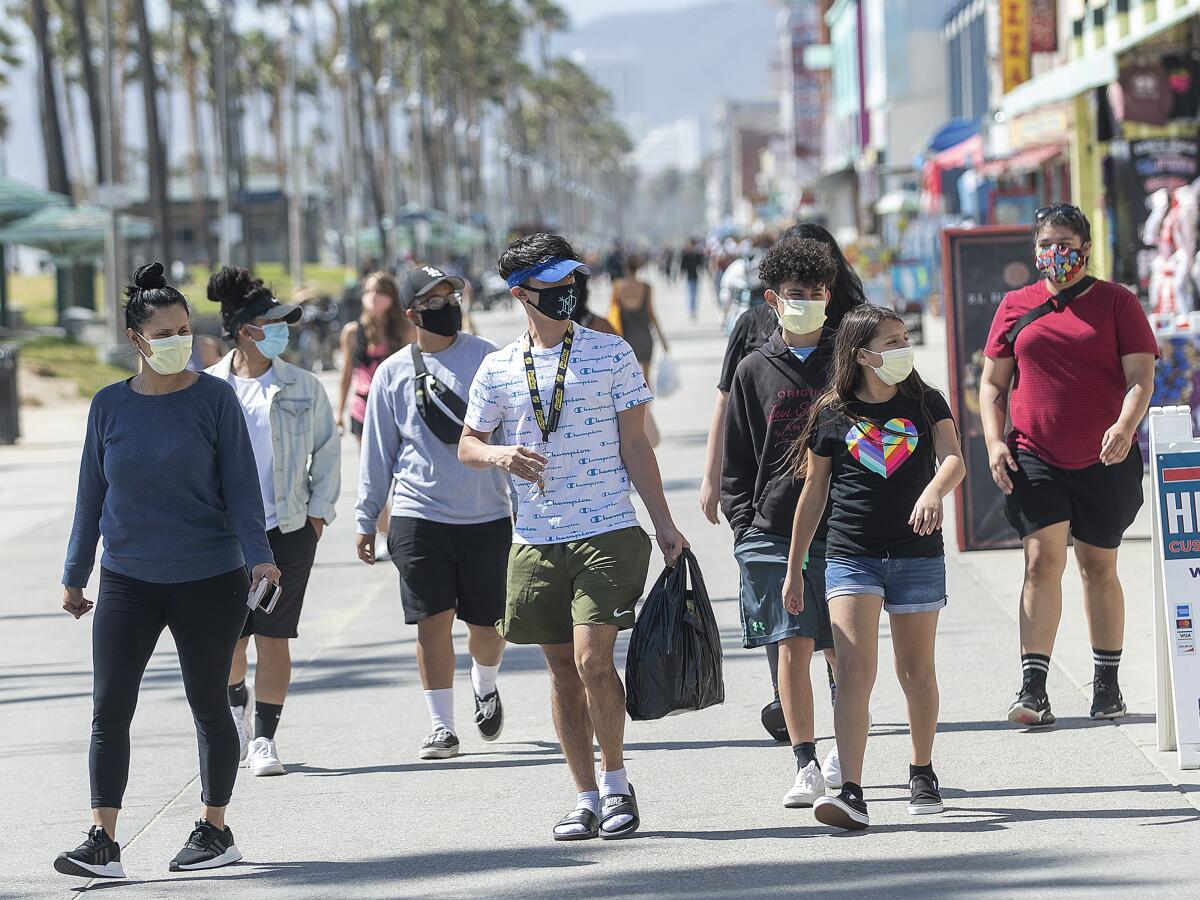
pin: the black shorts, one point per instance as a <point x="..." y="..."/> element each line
<point x="1100" y="501"/>
<point x="460" y="567"/>
<point x="294" y="554"/>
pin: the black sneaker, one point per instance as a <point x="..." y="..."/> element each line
<point x="97" y="857"/>
<point x="207" y="847"/>
<point x="1107" y="702"/>
<point x="442" y="744"/>
<point x="846" y="810"/>
<point x="926" y="799"/>
<point x="1032" y="707"/>
<point x="773" y="721"/>
<point x="489" y="715"/>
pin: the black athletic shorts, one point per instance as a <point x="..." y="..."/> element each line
<point x="294" y="554"/>
<point x="461" y="567"/>
<point x="1100" y="501"/>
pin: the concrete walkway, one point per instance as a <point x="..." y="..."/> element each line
<point x="1080" y="810"/>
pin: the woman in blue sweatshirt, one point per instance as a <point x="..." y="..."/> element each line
<point x="168" y="479"/>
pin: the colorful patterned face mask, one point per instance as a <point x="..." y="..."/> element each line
<point x="1060" y="263"/>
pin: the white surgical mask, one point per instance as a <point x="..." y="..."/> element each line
<point x="169" y="355"/>
<point x="802" y="316"/>
<point x="897" y="364"/>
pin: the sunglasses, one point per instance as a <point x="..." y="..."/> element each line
<point x="1068" y="209"/>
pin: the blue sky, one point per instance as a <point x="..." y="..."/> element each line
<point x="583" y="10"/>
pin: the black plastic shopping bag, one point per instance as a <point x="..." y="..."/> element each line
<point x="674" y="660"/>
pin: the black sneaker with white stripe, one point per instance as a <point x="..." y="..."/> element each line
<point x="847" y="810"/>
<point x="442" y="744"/>
<point x="207" y="847"/>
<point x="1031" y="708"/>
<point x="925" y="798"/>
<point x="97" y="857"/>
<point x="489" y="715"/>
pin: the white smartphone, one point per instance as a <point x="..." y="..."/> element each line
<point x="264" y="597"/>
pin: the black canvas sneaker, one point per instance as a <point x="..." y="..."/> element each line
<point x="1032" y="707"/>
<point x="926" y="798"/>
<point x="489" y="716"/>
<point x="442" y="744"/>
<point x="97" y="857"/>
<point x="774" y="723"/>
<point x="847" y="810"/>
<point x="207" y="847"/>
<point x="1107" y="702"/>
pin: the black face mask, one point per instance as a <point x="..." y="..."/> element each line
<point x="446" y="321"/>
<point x="557" y="302"/>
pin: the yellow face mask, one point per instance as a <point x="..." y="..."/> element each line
<point x="169" y="355"/>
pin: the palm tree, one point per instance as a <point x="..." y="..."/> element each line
<point x="8" y="61"/>
<point x="193" y="28"/>
<point x="156" y="153"/>
<point x="82" y="24"/>
<point x="57" y="177"/>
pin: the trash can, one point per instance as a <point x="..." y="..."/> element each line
<point x="10" y="426"/>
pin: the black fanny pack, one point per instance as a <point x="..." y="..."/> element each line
<point x="448" y="430"/>
<point x="1057" y="303"/>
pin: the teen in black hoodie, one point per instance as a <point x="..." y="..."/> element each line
<point x="769" y="400"/>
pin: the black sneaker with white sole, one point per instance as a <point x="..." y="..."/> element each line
<point x="1032" y="707"/>
<point x="1107" y="702"/>
<point x="97" y="857"/>
<point x="489" y="715"/>
<point x="926" y="798"/>
<point x="207" y="847"/>
<point x="847" y="810"/>
<point x="774" y="723"/>
<point x="442" y="744"/>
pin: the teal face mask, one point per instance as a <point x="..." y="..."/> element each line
<point x="275" y="339"/>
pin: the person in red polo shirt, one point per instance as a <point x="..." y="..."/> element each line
<point x="1070" y="359"/>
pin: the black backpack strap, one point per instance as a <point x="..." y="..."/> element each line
<point x="445" y="428"/>
<point x="1057" y="303"/>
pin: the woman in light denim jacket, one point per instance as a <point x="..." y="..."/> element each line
<point x="297" y="449"/>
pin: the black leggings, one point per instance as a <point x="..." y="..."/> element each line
<point x="205" y="618"/>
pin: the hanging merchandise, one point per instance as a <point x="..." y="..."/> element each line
<point x="1171" y="289"/>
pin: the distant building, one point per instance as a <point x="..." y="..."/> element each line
<point x="743" y="130"/>
<point x="619" y="71"/>
<point x="673" y="146"/>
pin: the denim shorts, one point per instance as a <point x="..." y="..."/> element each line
<point x="906" y="584"/>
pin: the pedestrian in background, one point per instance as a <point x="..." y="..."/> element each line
<point x="882" y="450"/>
<point x="298" y="455"/>
<point x="379" y="332"/>
<point x="570" y="406"/>
<point x="691" y="264"/>
<point x="754" y="329"/>
<point x="1071" y="465"/>
<point x="583" y="314"/>
<point x="168" y="480"/>
<point x="773" y="391"/>
<point x="633" y="308"/>
<point x="451" y="527"/>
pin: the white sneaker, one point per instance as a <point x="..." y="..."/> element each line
<point x="263" y="758"/>
<point x="243" y="720"/>
<point x="810" y="784"/>
<point x="832" y="769"/>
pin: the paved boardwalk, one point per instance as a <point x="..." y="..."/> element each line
<point x="1082" y="810"/>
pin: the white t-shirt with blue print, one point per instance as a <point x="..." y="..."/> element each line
<point x="586" y="486"/>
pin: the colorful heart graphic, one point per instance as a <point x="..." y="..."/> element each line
<point x="882" y="450"/>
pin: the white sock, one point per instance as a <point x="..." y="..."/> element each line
<point x="441" y="708"/>
<point x="584" y="800"/>
<point x="483" y="678"/>
<point x="615" y="782"/>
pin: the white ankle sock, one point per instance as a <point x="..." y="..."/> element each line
<point x="441" y="708"/>
<point x="614" y="782"/>
<point x="483" y="678"/>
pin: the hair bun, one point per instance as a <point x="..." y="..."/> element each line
<point x="150" y="277"/>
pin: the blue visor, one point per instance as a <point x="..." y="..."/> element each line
<point x="553" y="270"/>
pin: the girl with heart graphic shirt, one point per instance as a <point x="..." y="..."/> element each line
<point x="882" y="448"/>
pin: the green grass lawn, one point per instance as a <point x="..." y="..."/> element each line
<point x="35" y="293"/>
<point x="60" y="358"/>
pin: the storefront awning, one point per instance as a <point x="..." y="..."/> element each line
<point x="1021" y="163"/>
<point x="1061" y="83"/>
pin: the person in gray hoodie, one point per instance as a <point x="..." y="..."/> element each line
<point x="451" y="526"/>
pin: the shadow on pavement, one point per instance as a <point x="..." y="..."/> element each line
<point x="601" y="873"/>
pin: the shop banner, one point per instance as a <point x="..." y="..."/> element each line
<point x="1043" y="26"/>
<point x="980" y="265"/>
<point x="1175" y="464"/>
<point x="1014" y="42"/>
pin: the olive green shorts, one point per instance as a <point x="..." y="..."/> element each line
<point x="554" y="587"/>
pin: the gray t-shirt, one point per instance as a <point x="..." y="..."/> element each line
<point x="430" y="481"/>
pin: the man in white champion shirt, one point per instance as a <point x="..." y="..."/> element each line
<point x="570" y="406"/>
